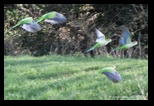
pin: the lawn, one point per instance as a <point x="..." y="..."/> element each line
<point x="56" y="77"/>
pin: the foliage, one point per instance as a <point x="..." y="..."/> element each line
<point x="77" y="34"/>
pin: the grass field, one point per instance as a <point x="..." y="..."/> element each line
<point x="58" y="77"/>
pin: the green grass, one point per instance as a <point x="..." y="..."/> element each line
<point x="58" y="77"/>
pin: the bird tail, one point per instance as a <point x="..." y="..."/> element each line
<point x="118" y="48"/>
<point x="40" y="19"/>
<point x="14" y="26"/>
<point x="100" y="71"/>
<point x="90" y="49"/>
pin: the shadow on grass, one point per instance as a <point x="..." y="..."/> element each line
<point x="92" y="68"/>
<point x="55" y="74"/>
<point x="53" y="59"/>
<point x="61" y="87"/>
<point x="58" y="73"/>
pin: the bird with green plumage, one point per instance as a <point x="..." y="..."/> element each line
<point x="101" y="41"/>
<point x="29" y="25"/>
<point x="125" y="40"/>
<point x="53" y="18"/>
<point x="111" y="74"/>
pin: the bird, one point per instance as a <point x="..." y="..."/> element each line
<point x="29" y="25"/>
<point x="111" y="74"/>
<point x="125" y="40"/>
<point x="101" y="41"/>
<point x="53" y="18"/>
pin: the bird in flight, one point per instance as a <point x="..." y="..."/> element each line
<point x="111" y="74"/>
<point x="53" y="18"/>
<point x="29" y="25"/>
<point x="125" y="40"/>
<point x="101" y="41"/>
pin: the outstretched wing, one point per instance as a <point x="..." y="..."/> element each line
<point x="121" y="41"/>
<point x="100" y="36"/>
<point x="126" y="34"/>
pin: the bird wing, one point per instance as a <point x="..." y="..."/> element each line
<point x="100" y="36"/>
<point x="126" y="34"/>
<point x="121" y="41"/>
<point x="113" y="76"/>
<point x="35" y="25"/>
<point x="29" y="28"/>
<point x="51" y="21"/>
<point x="32" y="27"/>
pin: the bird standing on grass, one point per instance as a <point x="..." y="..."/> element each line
<point x="29" y="25"/>
<point x="126" y="39"/>
<point x="53" y="18"/>
<point x="111" y="73"/>
<point x="101" y="41"/>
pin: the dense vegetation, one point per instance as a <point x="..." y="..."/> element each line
<point x="57" y="77"/>
<point x="77" y="34"/>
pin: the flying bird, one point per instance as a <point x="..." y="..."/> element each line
<point x="29" y="25"/>
<point x="101" y="41"/>
<point x="125" y="40"/>
<point x="111" y="74"/>
<point x="53" y="18"/>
